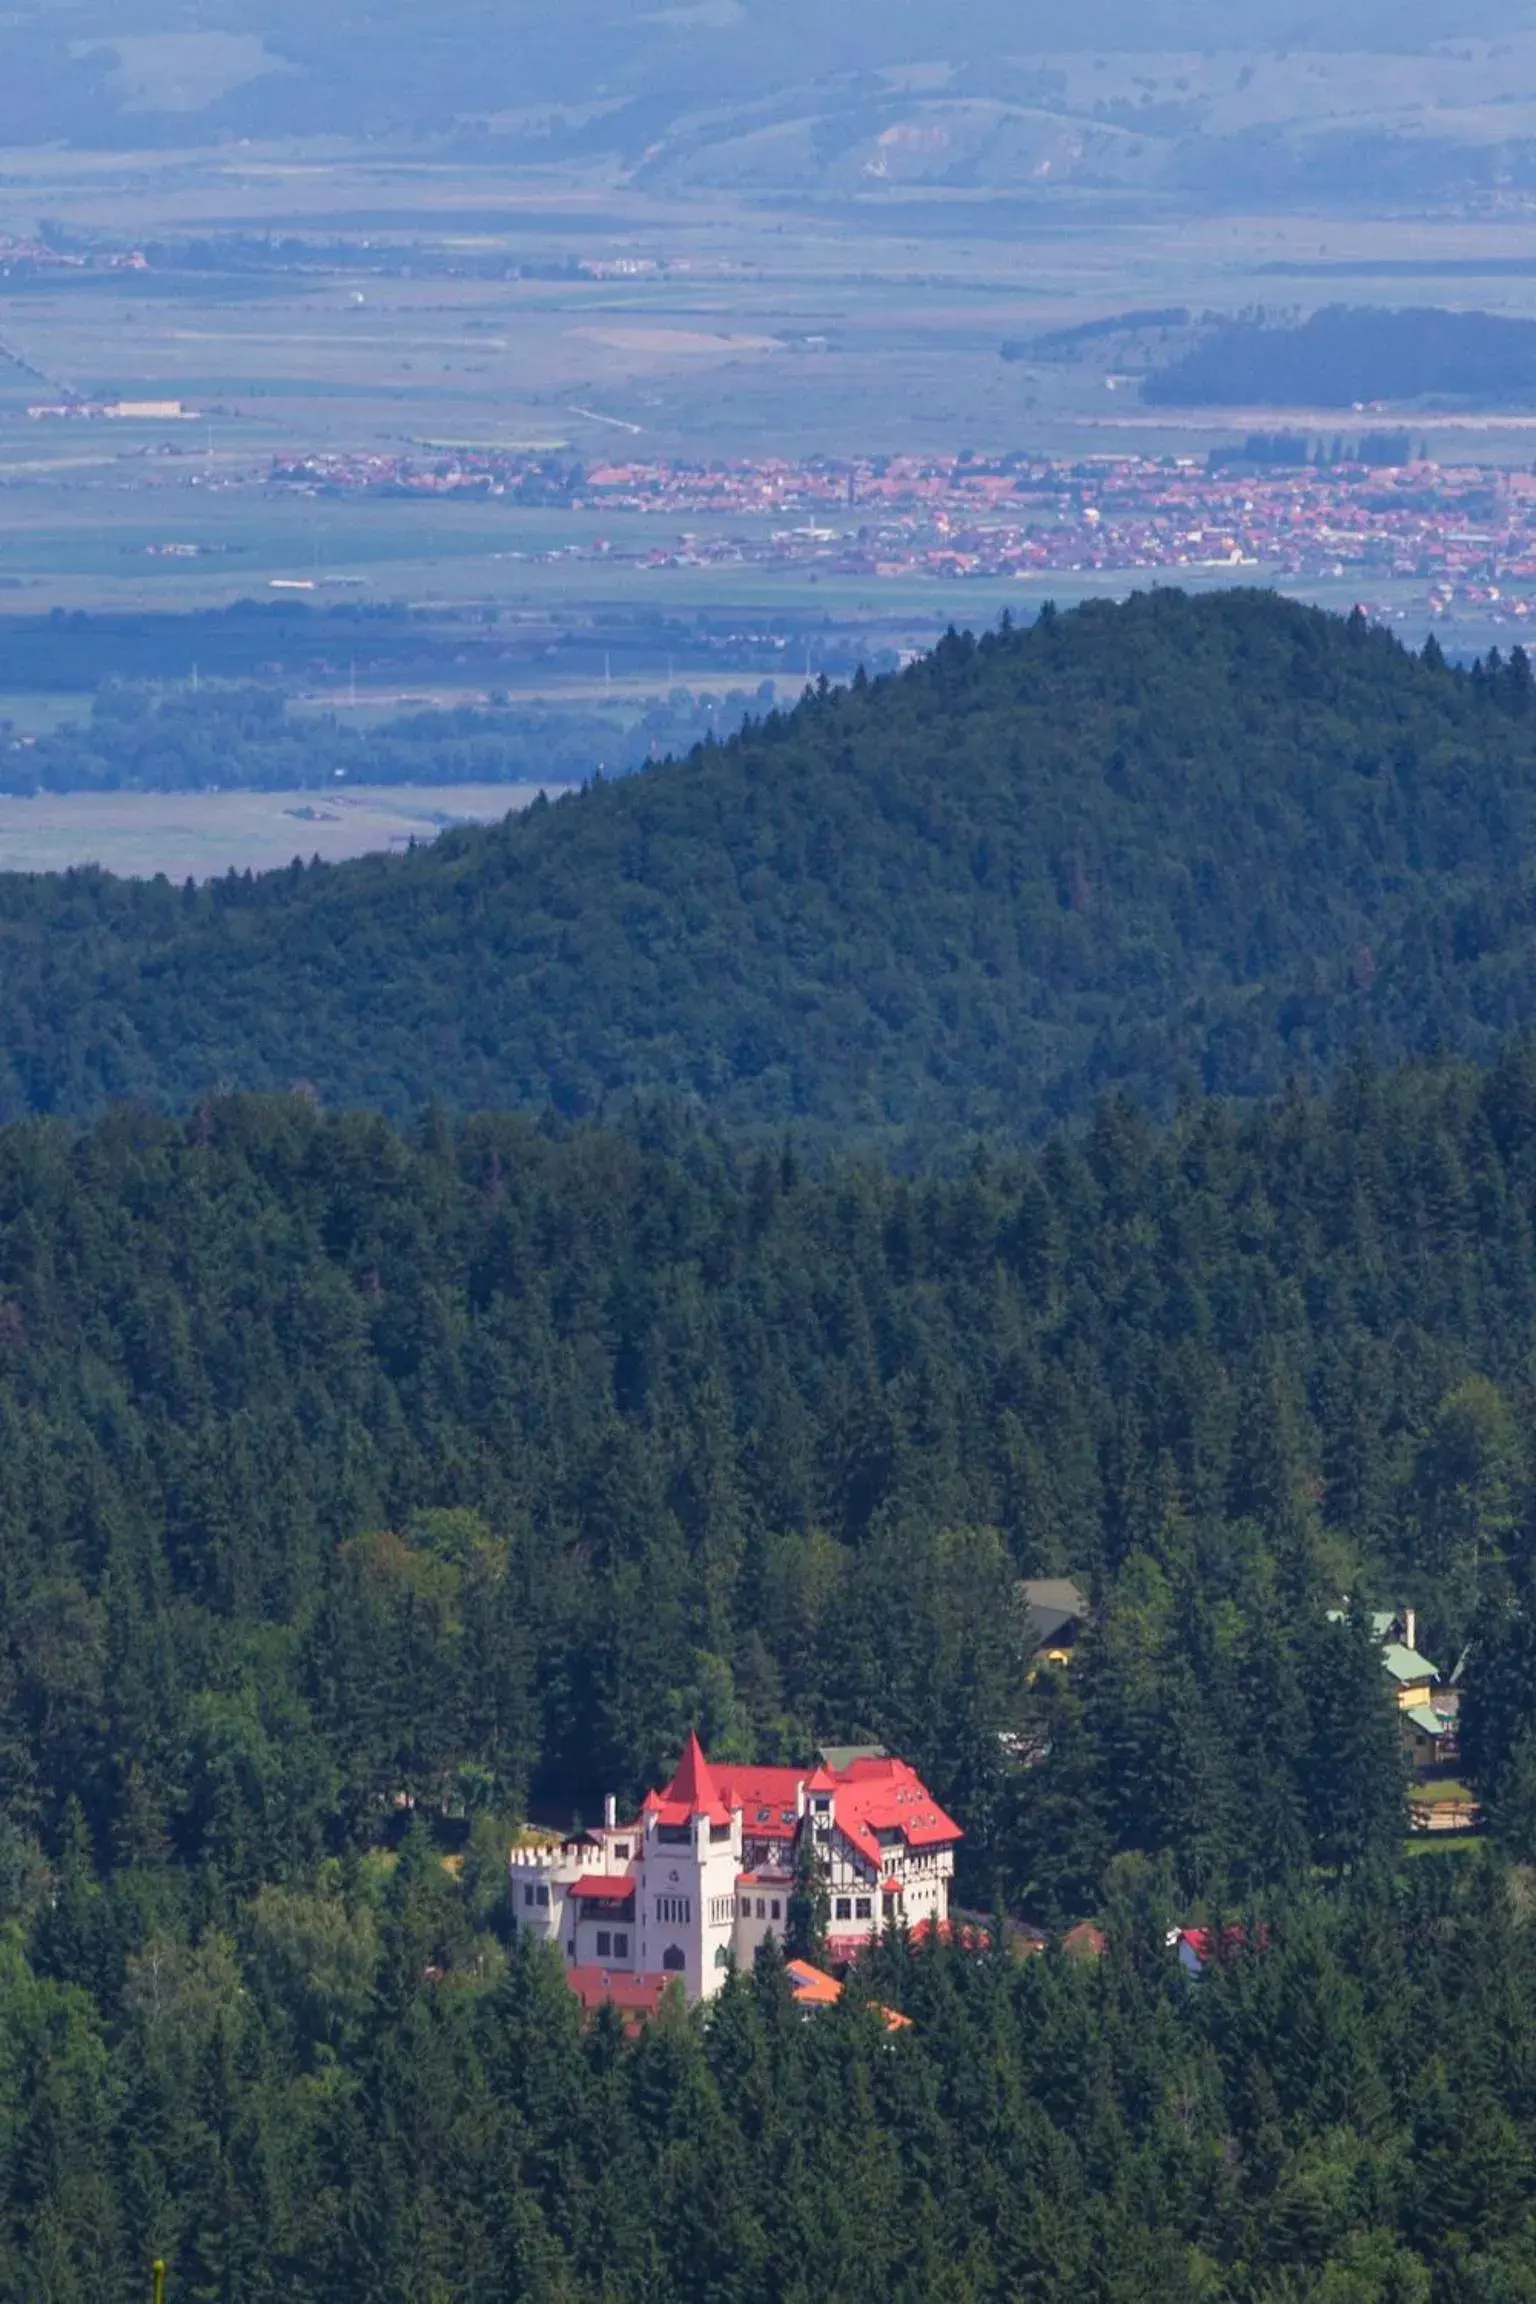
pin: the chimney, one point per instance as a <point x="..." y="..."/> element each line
<point x="1410" y="1628"/>
<point x="610" y="1813"/>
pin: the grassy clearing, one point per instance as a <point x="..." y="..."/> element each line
<point x="1443" y="1791"/>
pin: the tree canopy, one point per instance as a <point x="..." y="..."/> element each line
<point x="362" y="1493"/>
<point x="1220" y="839"/>
<point x="372" y="1492"/>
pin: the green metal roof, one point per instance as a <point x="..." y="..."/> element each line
<point x="1406" y="1663"/>
<point x="837" y="1757"/>
<point x="1426" y="1719"/>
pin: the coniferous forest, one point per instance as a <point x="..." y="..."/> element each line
<point x="371" y="1487"/>
<point x="1220" y="840"/>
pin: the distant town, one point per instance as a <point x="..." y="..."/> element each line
<point x="1467" y="533"/>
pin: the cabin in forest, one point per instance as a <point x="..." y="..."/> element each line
<point x="1432" y="1730"/>
<point x="1429" y="1706"/>
<point x="1055" y="1611"/>
<point x="1414" y="1679"/>
<point x="1429" y="1709"/>
<point x="1201" y="1948"/>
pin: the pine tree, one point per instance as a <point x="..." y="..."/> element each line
<point x="809" y="1907"/>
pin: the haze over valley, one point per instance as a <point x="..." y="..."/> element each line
<point x="711" y="347"/>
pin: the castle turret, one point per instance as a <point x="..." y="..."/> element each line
<point x="691" y="1854"/>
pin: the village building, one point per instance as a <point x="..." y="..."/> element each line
<point x="1198" y="1949"/>
<point x="705" y="1873"/>
<point x="1428" y="1704"/>
<point x="1056" y="1610"/>
<point x="813" y="1988"/>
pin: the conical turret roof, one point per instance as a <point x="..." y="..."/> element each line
<point x="693" y="1789"/>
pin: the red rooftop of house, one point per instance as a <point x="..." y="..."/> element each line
<point x="636" y="1998"/>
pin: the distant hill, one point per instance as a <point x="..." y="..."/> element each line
<point x="120" y="71"/>
<point x="1343" y="356"/>
<point x="1224" y="836"/>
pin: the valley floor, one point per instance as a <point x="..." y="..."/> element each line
<point x="197" y="835"/>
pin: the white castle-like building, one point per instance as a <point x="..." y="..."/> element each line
<point x="706" y="1870"/>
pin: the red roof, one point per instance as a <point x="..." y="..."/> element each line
<point x="965" y="1933"/>
<point x="871" y="1796"/>
<point x="1234" y="1938"/>
<point x="692" y="1791"/>
<point x="769" y="1799"/>
<point x="875" y="1796"/>
<point x="812" y="1987"/>
<point x="635" y="1997"/>
<point x="604" y="1887"/>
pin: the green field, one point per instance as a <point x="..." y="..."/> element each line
<point x="195" y="835"/>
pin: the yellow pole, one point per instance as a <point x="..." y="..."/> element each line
<point x="159" y="2280"/>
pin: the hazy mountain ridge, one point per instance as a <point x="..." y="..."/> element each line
<point x="1220" y="126"/>
<point x="1178" y="82"/>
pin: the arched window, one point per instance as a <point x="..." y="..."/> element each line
<point x="674" y="1960"/>
<point x="722" y="1956"/>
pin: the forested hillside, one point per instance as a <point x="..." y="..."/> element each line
<point x="340" y="1469"/>
<point x="1223" y="837"/>
<point x="367" y="1494"/>
<point x="1351" y="357"/>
